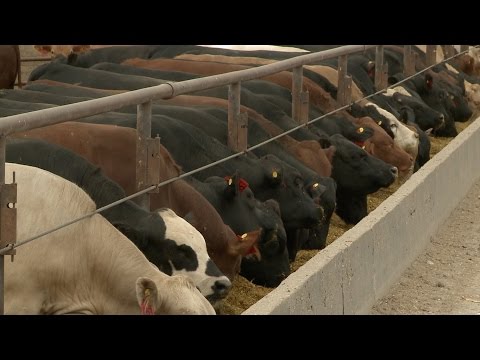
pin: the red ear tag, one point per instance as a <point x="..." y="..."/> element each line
<point x="242" y="185"/>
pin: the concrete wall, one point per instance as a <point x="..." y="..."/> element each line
<point x="351" y="274"/>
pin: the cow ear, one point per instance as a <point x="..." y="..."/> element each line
<point x="138" y="238"/>
<point x="231" y="188"/>
<point x="428" y="81"/>
<point x="247" y="244"/>
<point x="147" y="296"/>
<point x="274" y="176"/>
<point x="371" y="148"/>
<point x="406" y="114"/>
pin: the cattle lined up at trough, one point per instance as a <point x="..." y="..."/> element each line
<point x="259" y="210"/>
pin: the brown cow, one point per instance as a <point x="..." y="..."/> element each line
<point x="9" y="65"/>
<point x="113" y="149"/>
<point x="382" y="146"/>
<point x="318" y="96"/>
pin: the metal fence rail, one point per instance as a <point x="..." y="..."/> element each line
<point x="143" y="98"/>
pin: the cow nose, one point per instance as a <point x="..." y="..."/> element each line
<point x="222" y="287"/>
<point x="394" y="171"/>
<point x="441" y="121"/>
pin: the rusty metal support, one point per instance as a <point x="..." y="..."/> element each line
<point x="305" y="99"/>
<point x="297" y="87"/>
<point x="299" y="97"/>
<point x="385" y="75"/>
<point x="431" y="55"/>
<point x="2" y="257"/>
<point x="153" y="163"/>
<point x="344" y="93"/>
<point x="448" y="50"/>
<point x="144" y="131"/>
<point x="237" y="122"/>
<point x="379" y="73"/>
<point x="408" y="60"/>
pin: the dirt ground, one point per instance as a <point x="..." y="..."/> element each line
<point x="445" y="278"/>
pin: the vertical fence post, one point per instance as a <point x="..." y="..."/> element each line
<point x="2" y="257"/>
<point x="144" y="131"/>
<point x="379" y="69"/>
<point x="431" y="55"/>
<point x="299" y="98"/>
<point x="237" y="122"/>
<point x="408" y="60"/>
<point x="344" y="93"/>
<point x="449" y="50"/>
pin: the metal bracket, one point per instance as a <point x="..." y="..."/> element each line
<point x="242" y="131"/>
<point x="153" y="163"/>
<point x="408" y="60"/>
<point x="8" y="216"/>
<point x="304" y="99"/>
<point x="431" y="54"/>
<point x="384" y="76"/>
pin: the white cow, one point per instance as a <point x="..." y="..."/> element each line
<point x="88" y="267"/>
<point x="404" y="137"/>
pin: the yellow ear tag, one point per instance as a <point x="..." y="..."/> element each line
<point x="380" y="122"/>
<point x="363" y="147"/>
<point x="360" y="130"/>
<point x="315" y="185"/>
<point x="244" y="236"/>
<point x="275" y="174"/>
<point x="230" y="181"/>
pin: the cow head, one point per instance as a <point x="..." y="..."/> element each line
<point x="174" y="295"/>
<point x="271" y="264"/>
<point x="283" y="183"/>
<point x="176" y="247"/>
<point x="266" y="261"/>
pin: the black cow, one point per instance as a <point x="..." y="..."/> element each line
<point x="234" y="200"/>
<point x="369" y="175"/>
<point x="91" y="77"/>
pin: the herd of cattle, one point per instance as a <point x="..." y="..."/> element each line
<point x="249" y="215"/>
